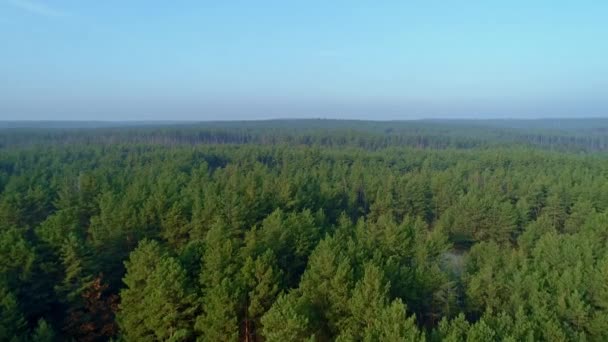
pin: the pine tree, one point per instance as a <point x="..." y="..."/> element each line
<point x="368" y="301"/>
<point x="393" y="325"/>
<point x="581" y="212"/>
<point x="219" y="321"/>
<point x="157" y="303"/>
<point x="43" y="332"/>
<point x="454" y="330"/>
<point x="132" y="311"/>
<point x="174" y="227"/>
<point x="169" y="304"/>
<point x="481" y="332"/>
<point x="18" y="263"/>
<point x="75" y="260"/>
<point x="262" y="279"/>
<point x="556" y="209"/>
<point x="221" y="288"/>
<point x="326" y="286"/>
<point x="284" y="322"/>
<point x="12" y="322"/>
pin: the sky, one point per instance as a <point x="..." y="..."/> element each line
<point x="244" y="60"/>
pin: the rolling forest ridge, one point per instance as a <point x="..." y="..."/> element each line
<point x="304" y="230"/>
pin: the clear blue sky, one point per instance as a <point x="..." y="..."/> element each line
<point x="211" y="60"/>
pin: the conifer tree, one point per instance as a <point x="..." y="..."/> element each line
<point x="157" y="303"/>
<point x="43" y="332"/>
<point x="393" y="325"/>
<point x="133" y="312"/>
<point x="12" y="322"/>
<point x="285" y="320"/>
<point x="75" y="260"/>
<point x="326" y="287"/>
<point x="262" y="279"/>
<point x="222" y="290"/>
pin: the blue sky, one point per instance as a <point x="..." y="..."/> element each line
<point x="215" y="60"/>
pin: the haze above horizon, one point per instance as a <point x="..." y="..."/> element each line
<point x="110" y="60"/>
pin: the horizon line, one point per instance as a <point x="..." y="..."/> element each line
<point x="314" y="118"/>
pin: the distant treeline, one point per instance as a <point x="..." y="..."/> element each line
<point x="565" y="135"/>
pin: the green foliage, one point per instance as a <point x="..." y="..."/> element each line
<point x="262" y="280"/>
<point x="219" y="321"/>
<point x="12" y="322"/>
<point x="284" y="322"/>
<point x="392" y="324"/>
<point x="333" y="231"/>
<point x="221" y="288"/>
<point x="326" y="287"/>
<point x="19" y="263"/>
<point x="75" y="260"/>
<point x="157" y="303"/>
<point x="43" y="332"/>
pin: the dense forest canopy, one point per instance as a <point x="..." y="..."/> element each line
<point x="305" y="230"/>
